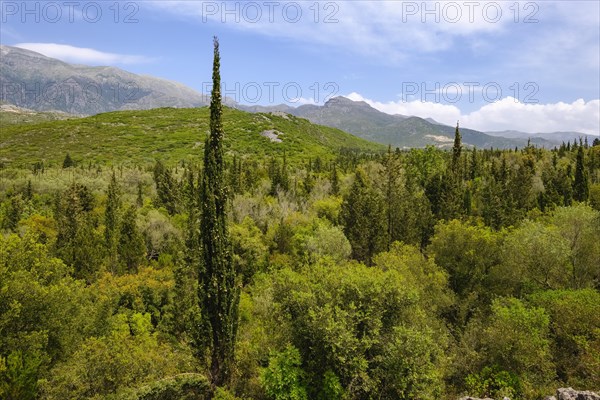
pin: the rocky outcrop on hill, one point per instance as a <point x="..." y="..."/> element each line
<point x="572" y="394"/>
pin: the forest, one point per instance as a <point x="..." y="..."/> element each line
<point x="355" y="274"/>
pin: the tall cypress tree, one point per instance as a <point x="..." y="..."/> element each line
<point x="139" y="201"/>
<point x="13" y="212"/>
<point x="456" y="150"/>
<point x="28" y="194"/>
<point x="580" y="185"/>
<point x="111" y="220"/>
<point x="131" y="248"/>
<point x="166" y="188"/>
<point x="364" y="219"/>
<point x="452" y="196"/>
<point x="187" y="319"/>
<point x="76" y="242"/>
<point x="218" y="281"/>
<point x="335" y="181"/>
<point x="474" y="164"/>
<point x="391" y="194"/>
<point x="285" y="178"/>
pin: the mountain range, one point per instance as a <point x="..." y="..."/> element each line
<point x="360" y="119"/>
<point x="33" y="81"/>
<point x="551" y="136"/>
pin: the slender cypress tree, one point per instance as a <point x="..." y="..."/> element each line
<point x="111" y="220"/>
<point x="474" y="166"/>
<point x="139" y="201"/>
<point x="166" y="188"/>
<point x="219" y="294"/>
<point x="285" y="178"/>
<point x="13" y="213"/>
<point x="451" y="185"/>
<point x="456" y="150"/>
<point x="580" y="185"/>
<point x="391" y="194"/>
<point x="364" y="219"/>
<point x="275" y="175"/>
<point x="309" y="183"/>
<point x="335" y="181"/>
<point x="131" y="248"/>
<point x="187" y="318"/>
<point x="28" y="195"/>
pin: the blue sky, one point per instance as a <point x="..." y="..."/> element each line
<point x="530" y="66"/>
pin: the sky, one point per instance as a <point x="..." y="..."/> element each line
<point x="532" y="66"/>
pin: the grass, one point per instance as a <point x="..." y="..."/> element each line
<point x="168" y="134"/>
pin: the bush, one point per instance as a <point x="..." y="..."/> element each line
<point x="282" y="379"/>
<point x="514" y="343"/>
<point x="181" y="387"/>
<point x="493" y="382"/>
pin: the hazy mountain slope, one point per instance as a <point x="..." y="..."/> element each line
<point x="364" y="121"/>
<point x="265" y="109"/>
<point x="554" y="137"/>
<point x="31" y="80"/>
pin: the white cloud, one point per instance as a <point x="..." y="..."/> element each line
<point x="440" y="112"/>
<point x="300" y="101"/>
<point x="505" y="114"/>
<point x="508" y="113"/>
<point x="397" y="32"/>
<point x="389" y="28"/>
<point x="82" y="55"/>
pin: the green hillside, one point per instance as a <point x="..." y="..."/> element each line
<point x="171" y="135"/>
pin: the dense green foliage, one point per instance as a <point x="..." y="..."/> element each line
<point x="418" y="274"/>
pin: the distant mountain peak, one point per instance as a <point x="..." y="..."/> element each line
<point x="344" y="101"/>
<point x="362" y="120"/>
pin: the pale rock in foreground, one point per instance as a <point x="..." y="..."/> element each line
<point x="572" y="394"/>
<point x="561" y="394"/>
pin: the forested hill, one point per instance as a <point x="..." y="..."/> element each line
<point x="171" y="135"/>
<point x="421" y="274"/>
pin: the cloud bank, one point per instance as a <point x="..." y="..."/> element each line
<point x="505" y="114"/>
<point x="82" y="55"/>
